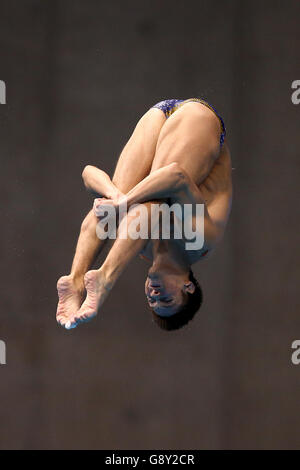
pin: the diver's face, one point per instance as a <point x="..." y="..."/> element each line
<point x="165" y="293"/>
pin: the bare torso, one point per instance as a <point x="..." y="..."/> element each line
<point x="216" y="191"/>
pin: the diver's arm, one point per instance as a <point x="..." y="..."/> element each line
<point x="165" y="182"/>
<point x="170" y="181"/>
<point x="173" y="182"/>
<point x="97" y="181"/>
<point x="162" y="183"/>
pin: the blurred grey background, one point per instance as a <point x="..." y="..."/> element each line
<point x="79" y="74"/>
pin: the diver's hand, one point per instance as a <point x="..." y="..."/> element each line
<point x="102" y="204"/>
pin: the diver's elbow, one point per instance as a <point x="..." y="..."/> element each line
<point x="179" y="176"/>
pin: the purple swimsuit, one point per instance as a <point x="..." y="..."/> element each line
<point x="170" y="106"/>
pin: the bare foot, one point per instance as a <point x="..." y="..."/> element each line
<point x="97" y="292"/>
<point x="70" y="297"/>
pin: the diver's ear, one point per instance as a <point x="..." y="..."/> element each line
<point x="189" y="287"/>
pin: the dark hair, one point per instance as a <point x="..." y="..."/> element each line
<point x="181" y="318"/>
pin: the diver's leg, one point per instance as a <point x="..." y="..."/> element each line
<point x="99" y="282"/>
<point x="137" y="156"/>
<point x="133" y="165"/>
<point x="190" y="137"/>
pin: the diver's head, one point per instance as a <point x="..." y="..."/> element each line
<point x="173" y="297"/>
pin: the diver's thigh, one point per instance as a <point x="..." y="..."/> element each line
<point x="190" y="137"/>
<point x="137" y="156"/>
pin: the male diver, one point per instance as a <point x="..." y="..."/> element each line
<point x="177" y="153"/>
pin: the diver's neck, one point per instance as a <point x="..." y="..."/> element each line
<point x="166" y="254"/>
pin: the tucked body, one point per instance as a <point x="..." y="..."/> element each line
<point x="181" y="158"/>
